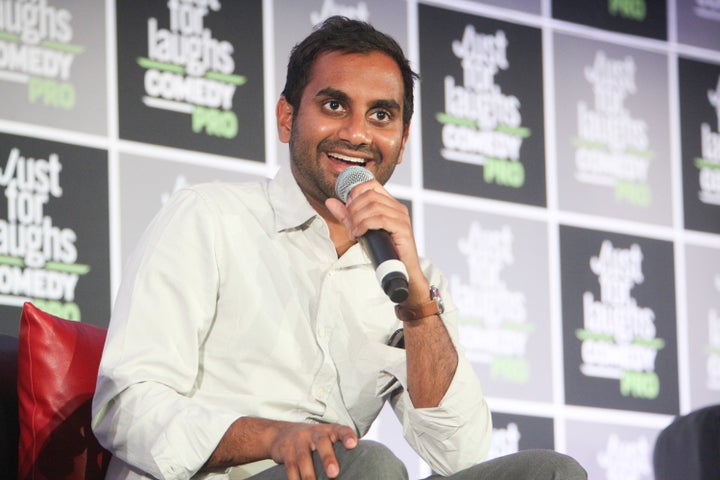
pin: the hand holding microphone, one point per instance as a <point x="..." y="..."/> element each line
<point x="389" y="270"/>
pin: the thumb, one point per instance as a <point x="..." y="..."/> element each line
<point x="338" y="210"/>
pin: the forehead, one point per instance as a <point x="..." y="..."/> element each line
<point x="373" y="74"/>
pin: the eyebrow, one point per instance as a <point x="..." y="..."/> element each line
<point x="388" y="104"/>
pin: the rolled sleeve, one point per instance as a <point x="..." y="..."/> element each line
<point x="143" y="409"/>
<point x="171" y="439"/>
<point x="455" y="434"/>
<point x="207" y="426"/>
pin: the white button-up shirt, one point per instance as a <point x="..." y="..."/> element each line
<point x="236" y="304"/>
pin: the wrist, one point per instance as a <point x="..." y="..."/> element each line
<point x="418" y="289"/>
<point x="430" y="306"/>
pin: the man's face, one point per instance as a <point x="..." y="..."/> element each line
<point x="350" y="114"/>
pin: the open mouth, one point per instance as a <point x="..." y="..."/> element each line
<point x="348" y="159"/>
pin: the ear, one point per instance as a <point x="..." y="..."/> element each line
<point x="284" y="119"/>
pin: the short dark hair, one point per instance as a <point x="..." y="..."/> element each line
<point x="349" y="36"/>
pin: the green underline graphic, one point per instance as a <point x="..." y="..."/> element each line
<point x="227" y="78"/>
<point x="654" y="343"/>
<point x="167" y="67"/>
<point x="715" y="351"/>
<point x="75" y="268"/>
<point x="9" y="36"/>
<point x="179" y="69"/>
<point x="518" y="327"/>
<point x="702" y="163"/>
<point x="583" y="335"/>
<point x="444" y="118"/>
<point x="14" y="261"/>
<point x="640" y="153"/>
<point x="521" y="132"/>
<point x="50" y="44"/>
<point x="580" y="142"/>
<point x="65" y="47"/>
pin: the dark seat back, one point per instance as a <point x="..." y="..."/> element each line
<point x="9" y="425"/>
<point x="689" y="448"/>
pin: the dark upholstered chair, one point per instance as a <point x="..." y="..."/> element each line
<point x="689" y="448"/>
<point x="9" y="425"/>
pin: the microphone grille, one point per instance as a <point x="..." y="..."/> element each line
<point x="350" y="177"/>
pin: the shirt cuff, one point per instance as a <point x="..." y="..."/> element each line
<point x="463" y="395"/>
<point x="196" y="433"/>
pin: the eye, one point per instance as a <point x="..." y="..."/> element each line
<point x="382" y="116"/>
<point x="333" y="105"/>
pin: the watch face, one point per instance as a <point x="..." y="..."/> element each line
<point x="435" y="295"/>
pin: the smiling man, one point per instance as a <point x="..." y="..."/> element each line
<point x="250" y="326"/>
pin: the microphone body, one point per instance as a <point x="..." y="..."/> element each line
<point x="389" y="270"/>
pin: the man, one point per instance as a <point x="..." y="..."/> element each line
<point x="250" y="324"/>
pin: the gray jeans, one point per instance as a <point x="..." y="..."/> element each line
<point x="373" y="461"/>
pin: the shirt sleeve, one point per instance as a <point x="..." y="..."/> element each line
<point x="456" y="434"/>
<point x="143" y="410"/>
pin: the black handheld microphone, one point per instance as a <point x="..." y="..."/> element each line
<point x="389" y="270"/>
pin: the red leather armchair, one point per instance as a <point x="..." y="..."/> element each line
<point x="47" y="380"/>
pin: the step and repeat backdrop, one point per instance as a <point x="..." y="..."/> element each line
<point x="563" y="170"/>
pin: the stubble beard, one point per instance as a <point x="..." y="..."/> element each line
<point x="307" y="167"/>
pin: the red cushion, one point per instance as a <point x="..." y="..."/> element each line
<point x="57" y="368"/>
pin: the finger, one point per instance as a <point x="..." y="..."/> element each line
<point x="291" y="471"/>
<point x="305" y="464"/>
<point x="338" y="210"/>
<point x="372" y="202"/>
<point x="344" y="434"/>
<point x="369" y="192"/>
<point x="324" y="449"/>
<point x="360" y="188"/>
<point x="349" y="439"/>
<point x="376" y="216"/>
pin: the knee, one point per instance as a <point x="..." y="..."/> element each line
<point x="557" y="466"/>
<point x="375" y="460"/>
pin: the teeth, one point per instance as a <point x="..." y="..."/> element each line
<point x="348" y="159"/>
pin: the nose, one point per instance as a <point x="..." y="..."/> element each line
<point x="355" y="129"/>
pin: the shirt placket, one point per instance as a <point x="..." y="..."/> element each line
<point x="325" y="388"/>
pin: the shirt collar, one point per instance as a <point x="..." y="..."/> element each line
<point x="292" y="210"/>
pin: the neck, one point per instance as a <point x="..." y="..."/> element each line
<point x="341" y="240"/>
<point x="338" y="233"/>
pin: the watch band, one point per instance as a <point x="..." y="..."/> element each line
<point x="410" y="314"/>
